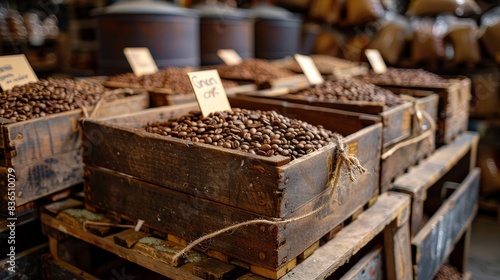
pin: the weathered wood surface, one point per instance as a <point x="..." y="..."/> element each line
<point x="43" y="177"/>
<point x="52" y="135"/>
<point x="433" y="244"/>
<point x="109" y="245"/>
<point x="450" y="162"/>
<point x="453" y="112"/>
<point x="271" y="186"/>
<point x="398" y="158"/>
<point x="368" y="268"/>
<point x="352" y="238"/>
<point x="190" y="217"/>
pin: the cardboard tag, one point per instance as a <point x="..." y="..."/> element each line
<point x="309" y="68"/>
<point x="376" y="61"/>
<point x="209" y="91"/>
<point x="229" y="56"/>
<point x="15" y="70"/>
<point x="141" y="61"/>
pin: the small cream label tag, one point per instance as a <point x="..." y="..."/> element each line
<point x="376" y="61"/>
<point x="15" y="70"/>
<point x="309" y="68"/>
<point x="229" y="56"/>
<point x="141" y="61"/>
<point x="209" y="91"/>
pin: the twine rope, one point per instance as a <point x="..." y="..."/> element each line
<point x="411" y="141"/>
<point x="344" y="159"/>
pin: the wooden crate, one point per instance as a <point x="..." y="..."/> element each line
<point x="454" y="98"/>
<point x="398" y="158"/>
<point x="162" y="181"/>
<point x="385" y="222"/>
<point x="444" y="190"/>
<point x="46" y="152"/>
<point x="396" y="120"/>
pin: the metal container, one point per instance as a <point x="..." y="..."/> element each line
<point x="224" y="27"/>
<point x="171" y="33"/>
<point x="277" y="32"/>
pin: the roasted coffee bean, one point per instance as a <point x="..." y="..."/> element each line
<point x="403" y="77"/>
<point x="49" y="96"/>
<point x="266" y="140"/>
<point x="352" y="90"/>
<point x="172" y="79"/>
<point x="258" y="70"/>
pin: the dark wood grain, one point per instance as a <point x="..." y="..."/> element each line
<point x="43" y="177"/>
<point x="190" y="217"/>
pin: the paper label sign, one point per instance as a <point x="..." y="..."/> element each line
<point x="141" y="61"/>
<point x="15" y="70"/>
<point x="230" y="57"/>
<point x="309" y="68"/>
<point x="376" y="60"/>
<point x="209" y="91"/>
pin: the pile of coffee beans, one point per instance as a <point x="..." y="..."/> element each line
<point x="173" y="79"/>
<point x="350" y="90"/>
<point x="448" y="272"/>
<point x="258" y="70"/>
<point x="264" y="133"/>
<point x="403" y="77"/>
<point x="38" y="99"/>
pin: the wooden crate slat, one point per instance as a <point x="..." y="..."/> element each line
<point x="352" y="238"/>
<point x="433" y="244"/>
<point x="109" y="245"/>
<point x="427" y="173"/>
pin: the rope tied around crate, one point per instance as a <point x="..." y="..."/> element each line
<point x="344" y="160"/>
<point x="420" y="137"/>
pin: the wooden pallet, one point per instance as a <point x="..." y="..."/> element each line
<point x="444" y="188"/>
<point x="387" y="218"/>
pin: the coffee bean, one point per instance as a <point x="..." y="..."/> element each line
<point x="272" y="134"/>
<point x="404" y="77"/>
<point x="38" y="99"/>
<point x="352" y="90"/>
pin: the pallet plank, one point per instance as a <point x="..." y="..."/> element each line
<point x="352" y="238"/>
<point x="109" y="245"/>
<point x="445" y="228"/>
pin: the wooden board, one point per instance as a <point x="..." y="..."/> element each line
<point x="270" y="186"/>
<point x="43" y="177"/>
<point x="450" y="162"/>
<point x="368" y="268"/>
<point x="329" y="257"/>
<point x="109" y="245"/>
<point x="433" y="244"/>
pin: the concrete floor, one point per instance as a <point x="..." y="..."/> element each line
<point x="484" y="251"/>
